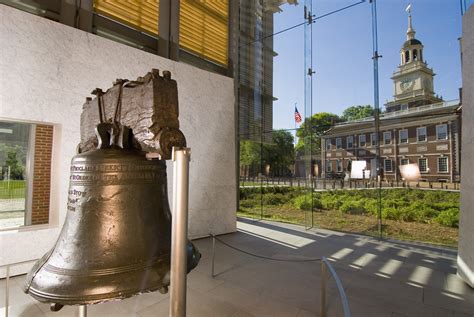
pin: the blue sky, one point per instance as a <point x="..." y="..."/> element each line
<point x="342" y="53"/>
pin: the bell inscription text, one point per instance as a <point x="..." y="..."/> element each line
<point x="113" y="174"/>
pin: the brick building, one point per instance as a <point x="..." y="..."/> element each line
<point x="417" y="127"/>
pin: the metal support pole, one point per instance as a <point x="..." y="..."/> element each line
<point x="7" y="290"/>
<point x="323" y="290"/>
<point x="213" y="255"/>
<point x="378" y="168"/>
<point x="179" y="232"/>
<point x="82" y="311"/>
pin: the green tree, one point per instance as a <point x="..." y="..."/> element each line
<point x="357" y="112"/>
<point x="311" y="130"/>
<point x="281" y="153"/>
<point x="250" y="153"/>
<point x="16" y="168"/>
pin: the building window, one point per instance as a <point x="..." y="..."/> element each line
<point x="442" y="132"/>
<point x="415" y="55"/>
<point x="403" y="136"/>
<point x="338" y="143"/>
<point x="387" y="137"/>
<point x="328" y="144"/>
<point x="442" y="164"/>
<point x="421" y="134"/>
<point x="387" y="165"/>
<point x="338" y="165"/>
<point x="142" y="15"/>
<point x="423" y="165"/>
<point x="25" y="173"/>
<point x="328" y="166"/>
<point x="362" y="140"/>
<point x="350" y="142"/>
<point x="203" y="29"/>
<point x="404" y="107"/>
<point x="404" y="161"/>
<point x="373" y="140"/>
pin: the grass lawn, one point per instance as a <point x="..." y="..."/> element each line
<point x="412" y="214"/>
<point x="336" y="220"/>
<point x="12" y="189"/>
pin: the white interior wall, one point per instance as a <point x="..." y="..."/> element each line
<point x="47" y="69"/>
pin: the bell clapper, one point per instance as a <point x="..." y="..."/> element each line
<point x="56" y="307"/>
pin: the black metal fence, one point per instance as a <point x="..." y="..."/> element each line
<point x="327" y="184"/>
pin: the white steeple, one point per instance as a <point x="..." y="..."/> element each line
<point x="410" y="32"/>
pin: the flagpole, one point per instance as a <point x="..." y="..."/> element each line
<point x="294" y="146"/>
<point x="295" y="122"/>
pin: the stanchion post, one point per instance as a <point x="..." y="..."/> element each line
<point x="179" y="232"/>
<point x="82" y="311"/>
<point x="213" y="255"/>
<point x="7" y="290"/>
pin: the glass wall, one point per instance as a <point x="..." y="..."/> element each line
<point x="271" y="86"/>
<point x="343" y="124"/>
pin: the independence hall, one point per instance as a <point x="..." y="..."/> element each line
<point x="417" y="127"/>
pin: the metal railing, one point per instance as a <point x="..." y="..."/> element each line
<point x="334" y="183"/>
<point x="7" y="281"/>
<point x="325" y="268"/>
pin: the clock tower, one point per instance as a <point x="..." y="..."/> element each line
<point x="413" y="81"/>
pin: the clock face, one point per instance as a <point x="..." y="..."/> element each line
<point x="406" y="84"/>
<point x="427" y="84"/>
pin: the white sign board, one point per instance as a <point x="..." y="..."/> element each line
<point x="410" y="172"/>
<point x="357" y="169"/>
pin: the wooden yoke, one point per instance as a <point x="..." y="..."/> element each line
<point x="147" y="105"/>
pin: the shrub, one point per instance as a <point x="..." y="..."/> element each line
<point x="444" y="205"/>
<point x="371" y="206"/>
<point x="274" y="199"/>
<point x="250" y="203"/>
<point x="317" y="203"/>
<point x="353" y="207"/>
<point x="420" y="211"/>
<point x="303" y="202"/>
<point x="398" y="204"/>
<point x="250" y="192"/>
<point x="404" y="214"/>
<point x="390" y="213"/>
<point x="449" y="217"/>
<point x="333" y="201"/>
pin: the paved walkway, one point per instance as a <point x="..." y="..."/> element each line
<point x="12" y="204"/>
<point x="381" y="279"/>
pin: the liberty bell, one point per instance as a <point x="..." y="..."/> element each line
<point x="116" y="238"/>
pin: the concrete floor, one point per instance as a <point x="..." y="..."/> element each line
<point x="381" y="279"/>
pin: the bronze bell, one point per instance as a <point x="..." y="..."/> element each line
<point x="116" y="238"/>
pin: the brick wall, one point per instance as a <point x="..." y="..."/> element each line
<point x="41" y="174"/>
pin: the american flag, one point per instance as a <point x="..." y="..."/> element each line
<point x="297" y="116"/>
